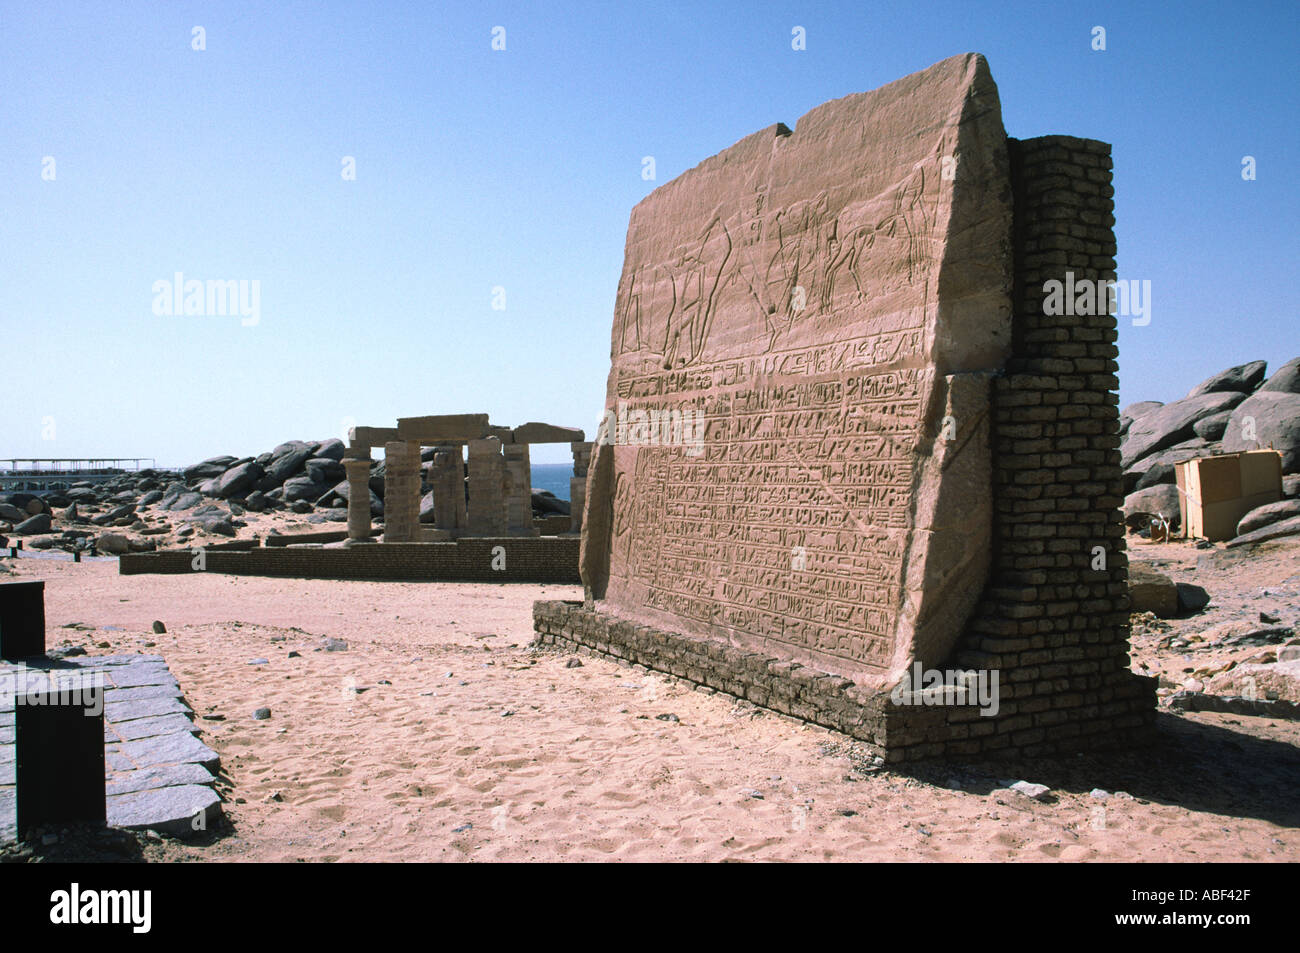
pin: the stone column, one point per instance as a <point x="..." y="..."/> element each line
<point x="578" y="484"/>
<point x="487" y="479"/>
<point x="401" y="491"/>
<point x="358" y="473"/>
<point x="447" y="474"/>
<point x="519" y="501"/>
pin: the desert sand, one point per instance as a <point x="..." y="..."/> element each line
<point x="439" y="735"/>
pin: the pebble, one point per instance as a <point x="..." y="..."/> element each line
<point x="261" y="714"/>
<point x="1038" y="792"/>
<point x="159" y="628"/>
<point x="258" y="661"/>
<point x="462" y="829"/>
<point x="573" y="663"/>
<point x="751" y="793"/>
<point x="293" y="655"/>
<point x="667" y="716"/>
<point x="1099" y="793"/>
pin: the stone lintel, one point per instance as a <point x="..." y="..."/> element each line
<point x="371" y="436"/>
<point x="533" y="432"/>
<point x="443" y="428"/>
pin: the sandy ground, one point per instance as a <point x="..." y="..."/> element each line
<point x="438" y="735"/>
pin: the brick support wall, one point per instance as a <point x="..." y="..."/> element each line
<point x="1056" y="627"/>
<point x="1053" y="621"/>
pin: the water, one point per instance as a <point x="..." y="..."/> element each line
<point x="553" y="477"/>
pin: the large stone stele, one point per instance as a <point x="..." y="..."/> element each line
<point x="798" y="397"/>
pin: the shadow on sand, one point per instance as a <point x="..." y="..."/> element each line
<point x="1201" y="767"/>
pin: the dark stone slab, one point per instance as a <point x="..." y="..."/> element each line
<point x="169" y="749"/>
<point x="136" y="692"/>
<point x="144" y="708"/>
<point x="181" y="810"/>
<point x="116" y="762"/>
<point x="146" y="740"/>
<point x="60" y="764"/>
<point x="139" y="728"/>
<point x="159" y="776"/>
<point x="8" y="815"/>
<point x="22" y="619"/>
<point x="108" y="661"/>
<point x="129" y="676"/>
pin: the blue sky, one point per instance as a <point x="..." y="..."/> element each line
<point x="478" y="169"/>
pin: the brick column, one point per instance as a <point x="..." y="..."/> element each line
<point x="401" y="491"/>
<point x="358" y="474"/>
<point x="1055" y="613"/>
<point x="487" y="481"/>
<point x="578" y="484"/>
<point x="519" y="500"/>
<point x="447" y="474"/>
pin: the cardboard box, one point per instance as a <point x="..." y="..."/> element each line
<point x="1214" y="493"/>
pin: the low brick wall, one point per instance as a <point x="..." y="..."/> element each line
<point x="553" y="525"/>
<point x="1114" y="716"/>
<point x="551" y="559"/>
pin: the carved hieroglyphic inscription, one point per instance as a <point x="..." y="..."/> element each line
<point x="802" y="295"/>
<point x="803" y="495"/>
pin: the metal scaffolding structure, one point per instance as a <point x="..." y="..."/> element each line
<point x="46" y="473"/>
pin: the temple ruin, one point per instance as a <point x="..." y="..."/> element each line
<point x="498" y="499"/>
<point x="906" y="465"/>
